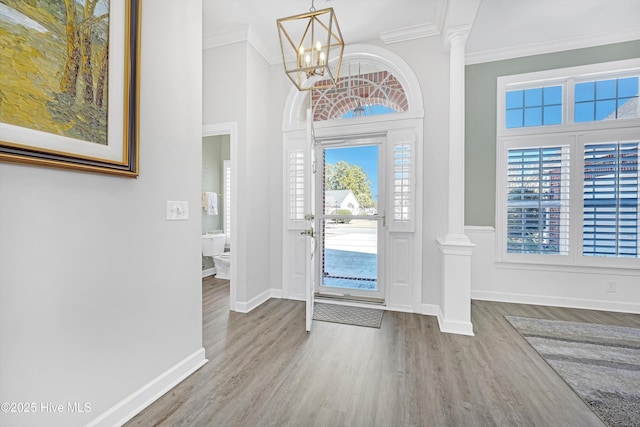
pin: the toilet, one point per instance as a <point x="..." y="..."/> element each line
<point x="213" y="246"/>
<point x="223" y="263"/>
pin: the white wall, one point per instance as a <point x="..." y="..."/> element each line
<point x="430" y="63"/>
<point x="237" y="88"/>
<point x="99" y="294"/>
<point x="224" y="99"/>
<point x="554" y="286"/>
<point x="280" y="85"/>
<point x="261" y="198"/>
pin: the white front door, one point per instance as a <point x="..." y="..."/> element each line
<point x="310" y="255"/>
<point x="310" y="217"/>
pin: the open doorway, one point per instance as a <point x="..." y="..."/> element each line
<point x="219" y="142"/>
<point x="216" y="196"/>
<point x="350" y="222"/>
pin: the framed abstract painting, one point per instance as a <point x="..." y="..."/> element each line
<point x="69" y="84"/>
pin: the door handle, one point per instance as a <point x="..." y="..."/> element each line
<point x="309" y="232"/>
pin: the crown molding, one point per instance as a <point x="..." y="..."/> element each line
<point x="239" y="34"/>
<point x="226" y="37"/>
<point x="410" y="33"/>
<point x="429" y="29"/>
<point x="258" y="44"/>
<point x="554" y="46"/>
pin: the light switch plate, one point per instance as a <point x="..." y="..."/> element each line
<point x="177" y="210"/>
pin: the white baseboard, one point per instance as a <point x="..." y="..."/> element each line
<point x="453" y="326"/>
<point x="430" y="309"/>
<point x="247" y="306"/>
<point x="400" y="308"/>
<point x="297" y="297"/>
<point x="133" y="404"/>
<point x="276" y="293"/>
<point x="587" y="304"/>
<point x="208" y="272"/>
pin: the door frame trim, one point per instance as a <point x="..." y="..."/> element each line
<point x="381" y="140"/>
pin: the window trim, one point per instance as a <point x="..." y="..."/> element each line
<point x="566" y="77"/>
<point x="575" y="135"/>
<point x="576" y="143"/>
<point x="505" y="144"/>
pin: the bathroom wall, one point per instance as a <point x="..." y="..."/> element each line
<point x="215" y="150"/>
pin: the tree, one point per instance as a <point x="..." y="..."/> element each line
<point x="345" y="176"/>
<point x="69" y="81"/>
<point x="87" y="54"/>
<point x="80" y="52"/>
<point x="365" y="200"/>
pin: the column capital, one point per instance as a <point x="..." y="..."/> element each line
<point x="457" y="36"/>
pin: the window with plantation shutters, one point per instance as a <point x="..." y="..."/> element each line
<point x="227" y="199"/>
<point x="537" y="202"/>
<point x="296" y="184"/>
<point x="568" y="194"/>
<point x="610" y="213"/>
<point x="401" y="183"/>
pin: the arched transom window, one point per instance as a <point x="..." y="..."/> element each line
<point x="361" y="90"/>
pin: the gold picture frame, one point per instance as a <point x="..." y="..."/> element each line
<point x="69" y="92"/>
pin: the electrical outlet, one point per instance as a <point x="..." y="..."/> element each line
<point x="611" y="286"/>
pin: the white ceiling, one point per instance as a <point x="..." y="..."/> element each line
<point x="510" y="28"/>
<point x="502" y="28"/>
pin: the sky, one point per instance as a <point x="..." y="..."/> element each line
<point x="364" y="156"/>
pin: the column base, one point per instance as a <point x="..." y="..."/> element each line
<point x="455" y="314"/>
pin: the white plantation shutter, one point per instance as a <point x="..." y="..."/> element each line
<point x="401" y="183"/>
<point x="227" y="199"/>
<point x="295" y="183"/>
<point x="610" y="211"/>
<point x="537" y="200"/>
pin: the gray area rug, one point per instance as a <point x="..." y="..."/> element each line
<point x="600" y="363"/>
<point x="357" y="316"/>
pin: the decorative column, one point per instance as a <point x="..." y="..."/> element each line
<point x="455" y="246"/>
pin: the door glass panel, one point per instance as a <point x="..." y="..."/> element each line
<point x="349" y="256"/>
<point x="349" y="219"/>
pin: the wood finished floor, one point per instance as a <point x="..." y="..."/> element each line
<point x="265" y="370"/>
